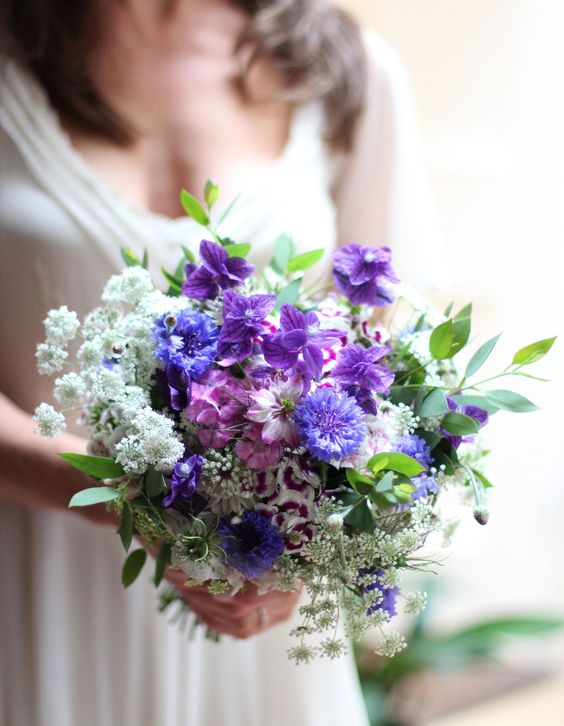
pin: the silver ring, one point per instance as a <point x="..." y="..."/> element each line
<point x="263" y="616"/>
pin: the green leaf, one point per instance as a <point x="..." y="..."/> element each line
<point x="211" y="193"/>
<point x="129" y="257"/>
<point x="94" y="495"/>
<point x="430" y="437"/>
<point x="155" y="483"/>
<point x="188" y="254"/>
<point x="163" y="561"/>
<point x="402" y="394"/>
<point x="98" y="467"/>
<point x="459" y="424"/>
<point x="305" y="261"/>
<point x="133" y="566"/>
<point x="510" y="401"/>
<point x="360" y="519"/>
<point x="486" y="483"/>
<point x="461" y="325"/>
<point x="174" y="281"/>
<point x="125" y="530"/>
<point x="434" y="404"/>
<point x="227" y="210"/>
<point x="448" y="309"/>
<point x="386" y="483"/>
<point x="441" y="459"/>
<point x="480" y="356"/>
<point x="289" y="294"/>
<point x="238" y="250"/>
<point x="441" y="340"/>
<point x="533" y="352"/>
<point x="145" y="262"/>
<point x="283" y="251"/>
<point x="509" y="626"/>
<point x="481" y="401"/>
<point x="193" y="208"/>
<point x="400" y="463"/>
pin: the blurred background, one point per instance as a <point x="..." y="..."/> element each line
<point x="488" y="82"/>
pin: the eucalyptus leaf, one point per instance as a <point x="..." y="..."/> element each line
<point x="193" y="208"/>
<point x="93" y="495"/>
<point x="448" y="309"/>
<point x="480" y="356"/>
<point x="305" y="260"/>
<point x="289" y="294"/>
<point x="533" y="352"/>
<point x="386" y="483"/>
<point x="475" y="400"/>
<point x="98" y="467"/>
<point x="241" y="249"/>
<point x="283" y="251"/>
<point x="441" y="459"/>
<point x="510" y="401"/>
<point x="459" y="424"/>
<point x="133" y="566"/>
<point x="434" y="404"/>
<point x="125" y="530"/>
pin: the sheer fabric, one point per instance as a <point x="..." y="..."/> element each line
<point x="77" y="648"/>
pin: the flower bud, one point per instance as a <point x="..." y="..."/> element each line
<point x="481" y="515"/>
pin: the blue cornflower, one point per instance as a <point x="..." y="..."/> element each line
<point x="389" y="594"/>
<point x="358" y="373"/>
<point x="242" y="319"/>
<point x="251" y="543"/>
<point x="299" y="335"/>
<point x="188" y="339"/>
<point x="184" y="480"/>
<point x="217" y="270"/>
<point x="330" y="424"/>
<point x="362" y="274"/>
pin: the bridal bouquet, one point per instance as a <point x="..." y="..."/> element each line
<point x="257" y="430"/>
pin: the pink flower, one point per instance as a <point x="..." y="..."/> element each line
<point x="273" y="407"/>
<point x="254" y="451"/>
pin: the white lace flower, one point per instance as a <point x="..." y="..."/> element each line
<point x="69" y="389"/>
<point x="61" y="326"/>
<point x="50" y="358"/>
<point x="415" y="602"/>
<point x="128" y="287"/>
<point x="391" y="644"/>
<point x="49" y="422"/>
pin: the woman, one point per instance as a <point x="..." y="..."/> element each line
<point x="107" y="111"/>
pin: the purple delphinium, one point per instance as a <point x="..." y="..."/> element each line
<point x="298" y="344"/>
<point x="480" y="415"/>
<point x="360" y="376"/>
<point x="251" y="543"/>
<point x="184" y="480"/>
<point x="187" y="347"/>
<point x="217" y="270"/>
<point x="330" y="424"/>
<point x="389" y="594"/>
<point x="363" y="274"/>
<point x="242" y="318"/>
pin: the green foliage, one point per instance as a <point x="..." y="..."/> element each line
<point x="510" y="401"/>
<point x="125" y="530"/>
<point x="480" y="356"/>
<point x="434" y="404"/>
<point x="193" y="208"/>
<point x="133" y="566"/>
<point x="533" y="352"/>
<point x="129" y="257"/>
<point x="459" y="424"/>
<point x="154" y="483"/>
<point x="175" y="283"/>
<point x="238" y="249"/>
<point x="441" y="340"/>
<point x="448" y="338"/>
<point x="400" y="463"/>
<point x="188" y="254"/>
<point x="211" y="193"/>
<point x="93" y="495"/>
<point x="162" y="562"/>
<point x="289" y="294"/>
<point x="305" y="260"/>
<point x="98" y="467"/>
<point x="283" y="251"/>
<point x="475" y="400"/>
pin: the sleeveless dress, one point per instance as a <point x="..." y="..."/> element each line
<point x="76" y="648"/>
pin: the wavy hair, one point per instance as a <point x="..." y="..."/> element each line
<point x="315" y="47"/>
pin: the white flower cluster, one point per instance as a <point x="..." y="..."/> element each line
<point x="152" y="442"/>
<point x="49" y="422"/>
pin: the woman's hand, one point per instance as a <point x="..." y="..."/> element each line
<point x="242" y="615"/>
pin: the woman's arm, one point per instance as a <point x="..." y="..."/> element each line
<point x="33" y="474"/>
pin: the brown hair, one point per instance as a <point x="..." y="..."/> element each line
<point x="315" y="47"/>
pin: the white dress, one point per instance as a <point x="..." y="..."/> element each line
<point x="76" y="648"/>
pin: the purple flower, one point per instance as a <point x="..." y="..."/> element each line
<point x="389" y="594"/>
<point x="242" y="319"/>
<point x="359" y="375"/>
<point x="417" y="448"/>
<point x="331" y="424"/>
<point x="362" y="274"/>
<point x="251" y="543"/>
<point x="174" y="384"/>
<point x="480" y="415"/>
<point x="298" y="343"/>
<point x="217" y="270"/>
<point x="184" y="480"/>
